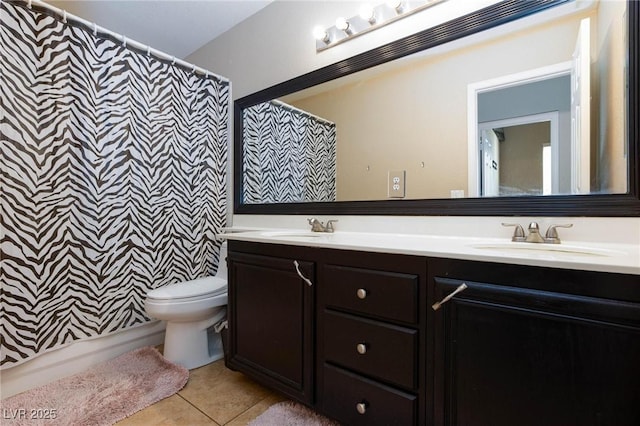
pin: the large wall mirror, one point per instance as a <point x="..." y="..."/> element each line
<point x="522" y="108"/>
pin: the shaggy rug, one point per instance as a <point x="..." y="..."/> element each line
<point x="289" y="413"/>
<point x="101" y="395"/>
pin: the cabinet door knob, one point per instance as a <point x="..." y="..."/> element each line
<point x="361" y="348"/>
<point x="361" y="407"/>
<point x="361" y="293"/>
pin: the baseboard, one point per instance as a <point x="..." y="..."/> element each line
<point x="77" y="357"/>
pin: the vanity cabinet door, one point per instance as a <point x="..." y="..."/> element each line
<point x="507" y="355"/>
<point x="271" y="321"/>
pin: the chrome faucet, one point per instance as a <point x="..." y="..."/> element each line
<point x="317" y="226"/>
<point x="550" y="237"/>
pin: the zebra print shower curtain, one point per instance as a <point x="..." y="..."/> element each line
<point x="113" y="178"/>
<point x="289" y="155"/>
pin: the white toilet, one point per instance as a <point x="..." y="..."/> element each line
<point x="191" y="309"/>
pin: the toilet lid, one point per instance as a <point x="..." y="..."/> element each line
<point x="202" y="287"/>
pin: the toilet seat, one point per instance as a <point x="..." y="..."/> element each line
<point x="200" y="288"/>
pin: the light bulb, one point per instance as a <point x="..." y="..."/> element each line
<point x="368" y="14"/>
<point x="342" y="24"/>
<point x="398" y="6"/>
<point x="320" y="34"/>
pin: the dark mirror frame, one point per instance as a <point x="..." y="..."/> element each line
<point x="552" y="205"/>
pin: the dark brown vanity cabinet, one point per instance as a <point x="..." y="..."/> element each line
<point x="534" y="346"/>
<point x="371" y="338"/>
<point x="521" y="345"/>
<point x="351" y="345"/>
<point x="270" y="315"/>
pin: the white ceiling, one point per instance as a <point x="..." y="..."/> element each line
<point x="175" y="27"/>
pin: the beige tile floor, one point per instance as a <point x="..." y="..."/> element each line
<point x="214" y="395"/>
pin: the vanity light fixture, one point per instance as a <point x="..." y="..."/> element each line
<point x="369" y="19"/>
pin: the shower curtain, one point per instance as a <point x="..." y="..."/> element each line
<point x="113" y="180"/>
<point x="289" y="155"/>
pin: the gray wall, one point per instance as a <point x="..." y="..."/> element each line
<point x="534" y="98"/>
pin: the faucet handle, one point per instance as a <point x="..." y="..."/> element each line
<point x="316" y="225"/>
<point x="329" y="226"/>
<point x="552" y="235"/>
<point x="518" y="233"/>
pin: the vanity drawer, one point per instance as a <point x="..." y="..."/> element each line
<point x="383" y="294"/>
<point x="354" y="400"/>
<point x="383" y="351"/>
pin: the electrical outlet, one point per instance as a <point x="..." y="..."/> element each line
<point x="457" y="193"/>
<point x="396" y="184"/>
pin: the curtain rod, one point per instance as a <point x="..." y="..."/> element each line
<point x="300" y="111"/>
<point x="127" y="42"/>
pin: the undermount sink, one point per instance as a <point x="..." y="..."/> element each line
<point x="294" y="234"/>
<point x="574" y="250"/>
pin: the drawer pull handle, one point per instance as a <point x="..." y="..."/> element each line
<point x="361" y="293"/>
<point x="437" y="305"/>
<point x="361" y="407"/>
<point x="306" y="280"/>
<point x="361" y="348"/>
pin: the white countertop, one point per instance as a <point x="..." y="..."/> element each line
<point x="604" y="257"/>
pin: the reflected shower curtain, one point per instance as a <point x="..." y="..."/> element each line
<point x="113" y="178"/>
<point x="289" y="155"/>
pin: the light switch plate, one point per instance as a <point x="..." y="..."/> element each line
<point x="397" y="184"/>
